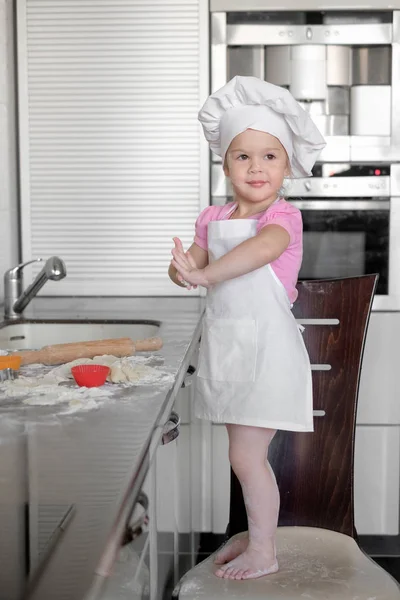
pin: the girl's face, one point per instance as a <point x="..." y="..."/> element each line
<point x="256" y="163"/>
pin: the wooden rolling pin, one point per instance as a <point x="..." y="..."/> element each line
<point x="59" y="354"/>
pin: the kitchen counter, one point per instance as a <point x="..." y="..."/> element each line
<point x="88" y="466"/>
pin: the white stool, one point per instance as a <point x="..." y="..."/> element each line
<point x="314" y="564"/>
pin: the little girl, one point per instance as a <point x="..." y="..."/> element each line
<point x="254" y="372"/>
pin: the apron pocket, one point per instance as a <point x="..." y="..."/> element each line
<point x="228" y="349"/>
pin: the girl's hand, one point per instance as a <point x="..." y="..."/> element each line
<point x="188" y="273"/>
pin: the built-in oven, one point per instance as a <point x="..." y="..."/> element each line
<point x="351" y="223"/>
<point x="346" y="237"/>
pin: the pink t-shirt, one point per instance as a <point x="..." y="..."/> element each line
<point x="282" y="213"/>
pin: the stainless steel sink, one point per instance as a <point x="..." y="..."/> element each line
<point x="36" y="334"/>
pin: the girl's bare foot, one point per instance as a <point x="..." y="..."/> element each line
<point x="249" y="565"/>
<point x="231" y="550"/>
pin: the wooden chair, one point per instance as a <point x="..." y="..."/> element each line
<point x="317" y="548"/>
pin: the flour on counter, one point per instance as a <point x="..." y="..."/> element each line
<point x="39" y="386"/>
<point x="42" y="391"/>
<point x="130" y="370"/>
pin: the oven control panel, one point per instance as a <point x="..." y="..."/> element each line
<point x="343" y="180"/>
<point x="329" y="181"/>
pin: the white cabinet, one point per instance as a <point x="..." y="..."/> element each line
<point x="161" y="487"/>
<point x="376" y="480"/>
<point x="166" y="481"/>
<point x="379" y="386"/>
<point x="220" y="479"/>
<point x="174" y="487"/>
<point x="377" y="473"/>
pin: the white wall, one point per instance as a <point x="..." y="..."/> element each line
<point x="8" y="177"/>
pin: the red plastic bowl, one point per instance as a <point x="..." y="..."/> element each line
<point x="90" y="375"/>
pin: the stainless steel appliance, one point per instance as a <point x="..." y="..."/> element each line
<point x="328" y="59"/>
<point x="343" y="67"/>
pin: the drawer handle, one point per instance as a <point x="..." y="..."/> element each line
<point x="319" y="413"/>
<point x="187" y="382"/>
<point x="171" y="429"/>
<point x="135" y="528"/>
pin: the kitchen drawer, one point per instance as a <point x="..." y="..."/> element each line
<point x="162" y="487"/>
<point x="376" y="480"/>
<point x="378" y="401"/>
<point x="178" y="493"/>
<point x="166" y="497"/>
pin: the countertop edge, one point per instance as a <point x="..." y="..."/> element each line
<point x="130" y="497"/>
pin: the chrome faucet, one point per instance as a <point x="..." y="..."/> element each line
<point x="15" y="299"/>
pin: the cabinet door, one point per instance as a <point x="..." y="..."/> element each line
<point x="162" y="487"/>
<point x="220" y="479"/>
<point x="190" y="456"/>
<point x="13" y="538"/>
<point x="378" y="401"/>
<point x="376" y="480"/>
<point x="177" y="497"/>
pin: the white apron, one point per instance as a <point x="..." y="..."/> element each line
<point x="253" y="366"/>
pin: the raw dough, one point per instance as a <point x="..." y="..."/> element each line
<point x="117" y="374"/>
<point x="124" y="371"/>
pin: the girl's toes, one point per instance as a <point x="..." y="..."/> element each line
<point x="228" y="573"/>
<point x="239" y="574"/>
<point x="220" y="572"/>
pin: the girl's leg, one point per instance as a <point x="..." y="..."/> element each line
<point x="232" y="549"/>
<point x="248" y="448"/>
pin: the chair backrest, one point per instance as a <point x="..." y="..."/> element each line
<point x="314" y="471"/>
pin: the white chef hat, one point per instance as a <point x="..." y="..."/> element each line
<point x="251" y="103"/>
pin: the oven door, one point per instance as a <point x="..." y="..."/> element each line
<point x="350" y="237"/>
